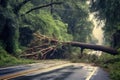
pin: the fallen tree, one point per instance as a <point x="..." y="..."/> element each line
<point x="47" y="45"/>
<point x="94" y="47"/>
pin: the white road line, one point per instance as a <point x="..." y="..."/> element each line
<point x="93" y="72"/>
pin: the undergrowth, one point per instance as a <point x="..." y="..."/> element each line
<point x="111" y="64"/>
<point x="9" y="60"/>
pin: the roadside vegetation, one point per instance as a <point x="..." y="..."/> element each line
<point x="108" y="62"/>
<point x="64" y="22"/>
<point x="111" y="64"/>
<point x="9" y="60"/>
<point x="107" y="10"/>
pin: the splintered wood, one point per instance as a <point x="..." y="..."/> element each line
<point x="40" y="47"/>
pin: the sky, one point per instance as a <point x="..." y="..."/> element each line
<point x="97" y="31"/>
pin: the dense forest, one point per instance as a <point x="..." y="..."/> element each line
<point x="61" y="20"/>
<point x="26" y="24"/>
<point x="108" y="11"/>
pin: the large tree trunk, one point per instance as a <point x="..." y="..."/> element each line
<point x="94" y="47"/>
<point x="116" y="39"/>
<point x="8" y="28"/>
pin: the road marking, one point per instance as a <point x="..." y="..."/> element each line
<point x="10" y="76"/>
<point x="93" y="72"/>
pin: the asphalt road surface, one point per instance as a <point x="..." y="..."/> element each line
<point x="74" y="71"/>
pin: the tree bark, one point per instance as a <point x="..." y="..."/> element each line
<point x="19" y="6"/>
<point x="51" y="11"/>
<point x="94" y="47"/>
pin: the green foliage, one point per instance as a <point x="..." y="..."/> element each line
<point x="115" y="71"/>
<point x="108" y="11"/>
<point x="8" y="60"/>
<point x="42" y="21"/>
<point x="69" y="22"/>
<point x="47" y="25"/>
<point x="118" y="50"/>
<point x="86" y="58"/>
<point x="112" y="64"/>
<point x="26" y="7"/>
<point x="75" y="13"/>
<point x="9" y="29"/>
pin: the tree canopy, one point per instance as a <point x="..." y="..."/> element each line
<point x="108" y="11"/>
<point x="60" y="20"/>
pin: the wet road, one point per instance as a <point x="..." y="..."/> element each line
<point x="6" y="71"/>
<point x="14" y="71"/>
<point x="71" y="72"/>
<point x="100" y="74"/>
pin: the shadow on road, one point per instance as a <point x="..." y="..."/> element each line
<point x="57" y="74"/>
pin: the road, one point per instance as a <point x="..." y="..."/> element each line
<point x="66" y="71"/>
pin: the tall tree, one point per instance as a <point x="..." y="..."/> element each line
<point x="75" y="13"/>
<point x="10" y="21"/>
<point x="108" y="11"/>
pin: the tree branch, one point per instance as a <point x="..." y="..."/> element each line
<point x="39" y="7"/>
<point x="19" y="6"/>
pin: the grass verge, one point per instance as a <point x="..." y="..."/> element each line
<point x="8" y="60"/>
<point x="111" y="64"/>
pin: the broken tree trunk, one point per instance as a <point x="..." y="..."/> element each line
<point x="94" y="47"/>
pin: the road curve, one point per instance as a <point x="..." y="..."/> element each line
<point x="69" y="71"/>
